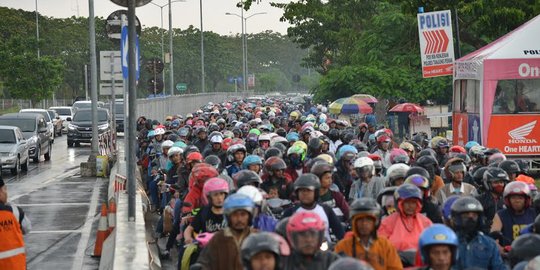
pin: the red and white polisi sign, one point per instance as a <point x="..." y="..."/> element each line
<point x="436" y="43"/>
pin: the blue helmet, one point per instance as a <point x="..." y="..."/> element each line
<point x="437" y="234"/>
<point x="292" y="137"/>
<point x="344" y="149"/>
<point x="447" y="207"/>
<point x="251" y="160"/>
<point x="470" y="144"/>
<point x="407" y="191"/>
<point x="238" y="202"/>
<point x="151" y="133"/>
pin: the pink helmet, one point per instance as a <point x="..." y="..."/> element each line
<point x="204" y="238"/>
<point x="214" y="185"/>
<point x="303" y="222"/>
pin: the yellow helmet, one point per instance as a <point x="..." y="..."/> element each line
<point x="302" y="145"/>
<point x="294" y="115"/>
<point x="434" y="141"/>
<point x="326" y="157"/>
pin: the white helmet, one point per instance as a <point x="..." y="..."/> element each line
<point x="363" y="161"/>
<point x="252" y="192"/>
<point x="397" y="170"/>
<point x="166" y="144"/>
<point x="324" y="127"/>
<point x="174" y="150"/>
<point x="264" y="137"/>
<point x="159" y="131"/>
<point x="216" y="138"/>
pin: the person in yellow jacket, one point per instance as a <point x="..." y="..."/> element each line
<point x="365" y="245"/>
<point x="13" y="225"/>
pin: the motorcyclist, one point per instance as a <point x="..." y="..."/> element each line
<point x="430" y="208"/>
<point x="202" y="138"/>
<point x="456" y="170"/>
<point x="366" y="185"/>
<point x="475" y="249"/>
<point x="236" y="154"/>
<point x="511" y="168"/>
<point x="396" y="174"/>
<point x="305" y="233"/>
<point x="296" y="156"/>
<point x="223" y="250"/>
<point x="429" y="163"/>
<point x="344" y="168"/>
<point x="277" y="178"/>
<point x="307" y="190"/>
<point x="383" y="149"/>
<point x="252" y="163"/>
<point x="403" y="227"/>
<point x="438" y="247"/>
<point x="365" y="244"/>
<point x="199" y="175"/>
<point x="261" y="251"/>
<point x="492" y="201"/>
<point x="323" y="170"/>
<point x="215" y="148"/>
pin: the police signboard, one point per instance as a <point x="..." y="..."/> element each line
<point x="436" y="43"/>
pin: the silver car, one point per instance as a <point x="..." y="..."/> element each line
<point x="13" y="149"/>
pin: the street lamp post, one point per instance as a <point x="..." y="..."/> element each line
<point x="37" y="30"/>
<point x="244" y="43"/>
<point x="170" y="40"/>
<point x="202" y="48"/>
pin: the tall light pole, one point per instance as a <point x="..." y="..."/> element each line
<point x="244" y="43"/>
<point x="37" y="30"/>
<point x="202" y="48"/>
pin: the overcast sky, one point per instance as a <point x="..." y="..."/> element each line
<point x="183" y="13"/>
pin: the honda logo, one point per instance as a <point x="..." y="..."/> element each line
<point x="519" y="134"/>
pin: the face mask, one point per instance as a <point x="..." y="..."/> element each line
<point x="470" y="226"/>
<point x="498" y="189"/>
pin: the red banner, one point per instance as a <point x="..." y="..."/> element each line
<point x="515" y="134"/>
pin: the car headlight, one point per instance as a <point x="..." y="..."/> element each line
<point x="72" y="127"/>
<point x="32" y="140"/>
<point x="103" y="127"/>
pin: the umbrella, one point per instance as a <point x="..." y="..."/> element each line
<point x="407" y="107"/>
<point x="365" y="97"/>
<point x="350" y="105"/>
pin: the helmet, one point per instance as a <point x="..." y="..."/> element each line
<point x="333" y="134"/>
<point x="199" y="130"/>
<point x="344" y="149"/>
<point x="274" y="163"/>
<point x="159" y="131"/>
<point x="264" y="137"/>
<point x="457" y="149"/>
<point x="455" y="165"/>
<point x="315" y="144"/>
<point x="308" y="181"/>
<point x="235" y="148"/>
<point x="251" y="160"/>
<point x="418" y="170"/>
<point x="447" y="207"/>
<point x="398" y="155"/>
<point x="418" y="180"/>
<point x="237" y="202"/>
<point x="427" y="152"/>
<point x="281" y="227"/>
<point x="347" y="137"/>
<point x="478" y="176"/>
<point x="364" y="164"/>
<point x="296" y="149"/>
<point x="469" y="145"/>
<point x="365" y="206"/>
<point x="204" y="238"/>
<point x="407" y="146"/>
<point x="292" y="137"/>
<point x="278" y="139"/>
<point x="437" y="234"/>
<point x="216" y="137"/>
<point x="517" y="188"/>
<point x="246" y="177"/>
<point x="214" y="161"/>
<point x="174" y="150"/>
<point x="252" y="192"/>
<point x="213" y="127"/>
<point x="442" y="143"/>
<point x="324" y="127"/>
<point x="302" y="222"/>
<point x="183" y="132"/>
<point x="256" y="243"/>
<point x="407" y="191"/>
<point x="427" y="161"/>
<point x="492" y="175"/>
<point x="326" y="157"/>
<point x="396" y="171"/>
<point x="321" y="167"/>
<point x="166" y="144"/>
<point x="200" y="173"/>
<point x="272" y="152"/>
<point x="214" y="185"/>
<point x="359" y="145"/>
<point x="349" y="264"/>
<point x="194" y="156"/>
<point x="524" y="248"/>
<point x="509" y="166"/>
<point x="462" y="205"/>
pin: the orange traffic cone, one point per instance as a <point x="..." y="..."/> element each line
<point x="102" y="232"/>
<point x="112" y="215"/>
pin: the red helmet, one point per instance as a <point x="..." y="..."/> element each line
<point x="194" y="156"/>
<point x="302" y="222"/>
<point x="214" y="185"/>
<point x="517" y="188"/>
<point x="458" y="149"/>
<point x="383" y="138"/>
<point x="200" y="173"/>
<point x="274" y="163"/>
<point x="374" y="157"/>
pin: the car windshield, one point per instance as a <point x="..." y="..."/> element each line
<point x="64" y="112"/>
<point x="26" y="125"/>
<point x="119" y="108"/>
<point x="7" y="136"/>
<point x="82" y="105"/>
<point x="44" y="113"/>
<point x="86" y="115"/>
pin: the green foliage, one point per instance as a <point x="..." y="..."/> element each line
<point x="273" y="81"/>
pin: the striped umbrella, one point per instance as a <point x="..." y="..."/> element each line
<point x="350" y="105"/>
<point x="407" y="107"/>
<point x="365" y="97"/>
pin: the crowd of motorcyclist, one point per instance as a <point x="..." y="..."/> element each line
<point x="270" y="184"/>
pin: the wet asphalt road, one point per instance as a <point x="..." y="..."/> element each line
<point x="62" y="206"/>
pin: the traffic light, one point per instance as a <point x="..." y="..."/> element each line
<point x="155" y="67"/>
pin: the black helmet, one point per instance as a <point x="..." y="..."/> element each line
<point x="478" y="176"/>
<point x="349" y="264"/>
<point x="524" y="248"/>
<point x="214" y="161"/>
<point x="386" y="191"/>
<point x="212" y="127"/>
<point x="199" y="130"/>
<point x="367" y="206"/>
<point x="259" y="242"/>
<point x="427" y="161"/>
<point x="309" y="181"/>
<point x="190" y="149"/>
<point x="272" y="152"/>
<point x="321" y="167"/>
<point x="333" y="134"/>
<point x="347" y="137"/>
<point x="246" y="177"/>
<point x="509" y="166"/>
<point x="523" y="165"/>
<point x="418" y="170"/>
<point x="281" y="227"/>
<point x="426" y="152"/>
<point x="464" y="205"/>
<point x="359" y="145"/>
<point x="173" y="137"/>
<point x="492" y="175"/>
<point x="314" y="144"/>
<point x="466" y="159"/>
<point x="281" y="132"/>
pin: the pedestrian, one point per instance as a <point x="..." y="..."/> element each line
<point x="13" y="224"/>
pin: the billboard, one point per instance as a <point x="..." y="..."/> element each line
<point x="436" y="43"/>
<point x="515" y="135"/>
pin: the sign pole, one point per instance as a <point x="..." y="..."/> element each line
<point x="132" y="94"/>
<point x="93" y="83"/>
<point x="113" y="95"/>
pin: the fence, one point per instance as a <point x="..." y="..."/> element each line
<point x="6" y="104"/>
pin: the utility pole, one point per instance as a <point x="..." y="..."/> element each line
<point x="93" y="79"/>
<point x="171" y="49"/>
<point x="202" y="48"/>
